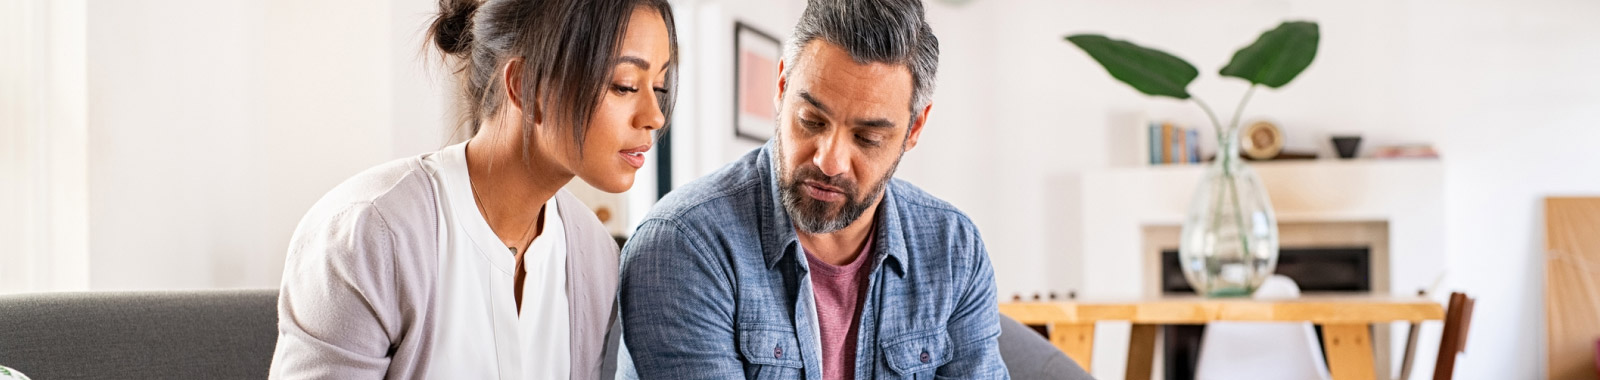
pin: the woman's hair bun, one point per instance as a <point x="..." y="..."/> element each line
<point x="452" y="29"/>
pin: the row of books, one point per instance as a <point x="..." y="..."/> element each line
<point x="1170" y="144"/>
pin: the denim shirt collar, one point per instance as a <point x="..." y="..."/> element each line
<point x="778" y="236"/>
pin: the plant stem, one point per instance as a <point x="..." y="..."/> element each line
<point x="1217" y="205"/>
<point x="1240" y="110"/>
<point x="1238" y="213"/>
<point x="1215" y="124"/>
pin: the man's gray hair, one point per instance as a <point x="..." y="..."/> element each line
<point x="873" y="31"/>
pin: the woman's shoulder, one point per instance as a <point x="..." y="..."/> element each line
<point x="395" y="183"/>
<point x="396" y="199"/>
<point x="360" y="266"/>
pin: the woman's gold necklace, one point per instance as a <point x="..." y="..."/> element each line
<point x="533" y="226"/>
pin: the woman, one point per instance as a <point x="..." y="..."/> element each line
<point x="471" y="262"/>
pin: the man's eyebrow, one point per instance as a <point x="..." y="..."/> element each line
<point x="875" y="123"/>
<point x="814" y="102"/>
<point x="870" y="123"/>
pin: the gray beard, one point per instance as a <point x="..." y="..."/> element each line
<point x="810" y="215"/>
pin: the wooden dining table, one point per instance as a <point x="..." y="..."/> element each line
<point x="1345" y="321"/>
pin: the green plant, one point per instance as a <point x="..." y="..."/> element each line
<point x="1276" y="58"/>
<point x="1273" y="60"/>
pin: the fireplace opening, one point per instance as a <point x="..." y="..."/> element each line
<point x="1317" y="270"/>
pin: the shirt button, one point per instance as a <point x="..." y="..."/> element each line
<point x="777" y="352"/>
<point x="925" y="357"/>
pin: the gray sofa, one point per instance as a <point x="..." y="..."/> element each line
<point x="1028" y="355"/>
<point x="230" y="335"/>
<point x="140" y="335"/>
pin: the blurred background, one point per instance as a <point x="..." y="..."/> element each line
<point x="174" y="144"/>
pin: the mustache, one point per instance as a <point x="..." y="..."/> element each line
<point x="812" y="173"/>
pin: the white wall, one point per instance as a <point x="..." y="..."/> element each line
<point x="1511" y="92"/>
<point x="43" y="148"/>
<point x="213" y="126"/>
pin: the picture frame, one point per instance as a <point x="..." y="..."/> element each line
<point x="755" y="83"/>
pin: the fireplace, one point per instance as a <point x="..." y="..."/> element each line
<point x="1321" y="257"/>
<point x="1317" y="270"/>
<point x="1130" y="215"/>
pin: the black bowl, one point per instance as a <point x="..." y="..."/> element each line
<point x="1347" y="146"/>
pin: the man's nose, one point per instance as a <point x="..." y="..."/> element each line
<point x="832" y="155"/>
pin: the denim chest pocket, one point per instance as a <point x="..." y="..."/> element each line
<point x="916" y="355"/>
<point x="769" y="353"/>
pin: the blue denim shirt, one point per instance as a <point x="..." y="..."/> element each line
<point x="714" y="286"/>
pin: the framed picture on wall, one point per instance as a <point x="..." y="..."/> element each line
<point x="755" y="82"/>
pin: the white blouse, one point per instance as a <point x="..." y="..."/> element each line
<point x="479" y="333"/>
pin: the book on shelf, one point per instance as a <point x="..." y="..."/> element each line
<point x="1153" y="142"/>
<point x="1172" y="144"/>
<point x="1194" y="146"/>
<point x="1166" y="143"/>
<point x="1180" y="148"/>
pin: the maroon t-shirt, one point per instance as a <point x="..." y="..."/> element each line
<point x="838" y="291"/>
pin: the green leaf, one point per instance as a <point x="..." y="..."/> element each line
<point x="1278" y="56"/>
<point x="1150" y="71"/>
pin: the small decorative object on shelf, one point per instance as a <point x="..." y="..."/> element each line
<point x="1347" y="146"/>
<point x="1262" y="140"/>
<point x="1230" y="235"/>
<point x="1405" y="151"/>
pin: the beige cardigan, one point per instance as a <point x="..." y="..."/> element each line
<point x="358" y="282"/>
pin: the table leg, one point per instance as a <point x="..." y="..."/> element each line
<point x="1411" y="350"/>
<point x="1349" y="348"/>
<point x="1141" y="352"/>
<point x="1074" y="339"/>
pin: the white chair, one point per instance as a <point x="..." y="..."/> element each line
<point x="1261" y="350"/>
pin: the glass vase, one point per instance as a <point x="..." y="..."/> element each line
<point x="1230" y="235"/>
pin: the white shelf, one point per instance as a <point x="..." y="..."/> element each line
<point x="1301" y="190"/>
<point x="1310" y="164"/>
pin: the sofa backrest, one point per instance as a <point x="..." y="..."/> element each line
<point x="1029" y="356"/>
<point x="175" y="335"/>
<point x="230" y="334"/>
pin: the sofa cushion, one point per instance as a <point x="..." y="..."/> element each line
<point x="1030" y="356"/>
<point x="177" y="335"/>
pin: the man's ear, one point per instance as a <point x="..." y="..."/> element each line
<point x="916" y="128"/>
<point x="783" y="81"/>
<point x="511" y="80"/>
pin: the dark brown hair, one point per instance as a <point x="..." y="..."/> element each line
<point x="568" y="49"/>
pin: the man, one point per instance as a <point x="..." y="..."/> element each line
<point x="805" y="258"/>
